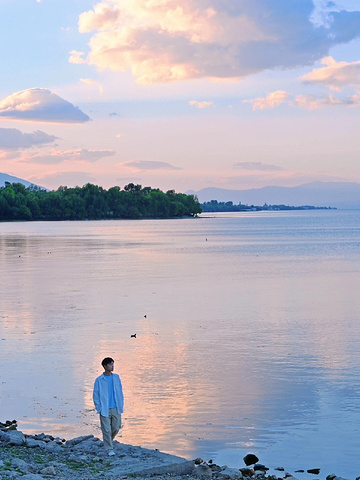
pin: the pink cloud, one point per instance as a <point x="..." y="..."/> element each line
<point x="167" y="40"/>
<point x="273" y="99"/>
<point x="313" y="102"/>
<point x="335" y="74"/>
<point x="58" y="156"/>
<point x="200" y="105"/>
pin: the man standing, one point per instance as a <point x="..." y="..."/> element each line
<point x="109" y="402"/>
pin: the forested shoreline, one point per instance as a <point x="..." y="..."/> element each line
<point x="215" y="206"/>
<point x="92" y="202"/>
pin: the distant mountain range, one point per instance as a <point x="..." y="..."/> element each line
<point x="342" y="195"/>
<point x="4" y="177"/>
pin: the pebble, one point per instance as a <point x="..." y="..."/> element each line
<point x="42" y="457"/>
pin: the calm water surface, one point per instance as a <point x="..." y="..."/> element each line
<point x="250" y="341"/>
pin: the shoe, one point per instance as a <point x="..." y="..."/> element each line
<point x="111" y="453"/>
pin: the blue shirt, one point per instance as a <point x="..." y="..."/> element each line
<point x="110" y="382"/>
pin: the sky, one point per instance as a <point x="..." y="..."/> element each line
<point x="181" y="95"/>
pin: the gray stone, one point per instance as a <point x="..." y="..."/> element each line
<point x="52" y="447"/>
<point x="1" y="463"/>
<point x="13" y="474"/>
<point x="202" y="470"/>
<point x="75" y="441"/>
<point x="75" y="458"/>
<point x="88" y="446"/>
<point x="48" y="470"/>
<point x="19" y="464"/>
<point x="32" y="476"/>
<point x="14" y="437"/>
<point x="230" y="472"/>
<point x="32" y="443"/>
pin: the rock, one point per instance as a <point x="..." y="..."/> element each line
<point x="186" y="467"/>
<point x="75" y="441"/>
<point x="88" y="446"/>
<point x="32" y="443"/>
<point x="198" y="461"/>
<point x="261" y="467"/>
<point x="14" y="437"/>
<point x="301" y="471"/>
<point x="51" y="447"/>
<point x="19" y="464"/>
<point x="83" y="458"/>
<point x="48" y="470"/>
<point x="32" y="476"/>
<point x="229" y="472"/>
<point x="259" y="474"/>
<point x="335" y="477"/>
<point x="250" y="459"/>
<point x="216" y="468"/>
<point x="202" y="470"/>
<point x="331" y="476"/>
<point x="314" y="471"/>
<point x="75" y="458"/>
<point x="279" y="469"/>
<point x="247" y="472"/>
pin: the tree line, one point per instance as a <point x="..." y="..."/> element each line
<point x="92" y="202"/>
<point x="215" y="206"/>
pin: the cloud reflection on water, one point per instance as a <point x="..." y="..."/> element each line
<point x="240" y="347"/>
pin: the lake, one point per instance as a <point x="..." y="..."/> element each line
<point x="247" y="333"/>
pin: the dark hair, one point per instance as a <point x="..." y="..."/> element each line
<point x="106" y="361"/>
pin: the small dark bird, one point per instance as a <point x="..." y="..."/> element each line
<point x="144" y="316"/>
<point x="133" y="336"/>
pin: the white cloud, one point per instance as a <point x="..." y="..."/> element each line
<point x="273" y="99"/>
<point x="313" y="102"/>
<point x="335" y="74"/>
<point x="58" y="156"/>
<point x="12" y="138"/>
<point x="257" y="166"/>
<point x="149" y="165"/>
<point x="201" y="105"/>
<point x="76" y="57"/>
<point x="39" y="104"/>
<point x="165" y="40"/>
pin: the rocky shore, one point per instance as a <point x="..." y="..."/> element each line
<point x="43" y="456"/>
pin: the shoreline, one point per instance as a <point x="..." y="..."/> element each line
<point x="44" y="456"/>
